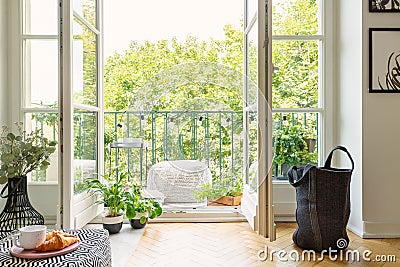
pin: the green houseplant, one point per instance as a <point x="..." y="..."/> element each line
<point x="112" y="194"/>
<point x="140" y="209"/>
<point x="291" y="148"/>
<point x="21" y="152"/>
<point x="221" y="192"/>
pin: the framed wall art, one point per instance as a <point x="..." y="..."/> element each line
<point x="384" y="60"/>
<point x="384" y="5"/>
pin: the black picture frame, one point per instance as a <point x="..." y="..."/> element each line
<point x="384" y="60"/>
<point x="384" y="6"/>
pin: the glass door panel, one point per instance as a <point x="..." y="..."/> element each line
<point x="82" y="119"/>
<point x="85" y="148"/>
<point x="84" y="64"/>
<point x="257" y="193"/>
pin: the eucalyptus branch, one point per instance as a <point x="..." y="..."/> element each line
<point x="22" y="152"/>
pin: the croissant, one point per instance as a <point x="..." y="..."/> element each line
<point x="56" y="240"/>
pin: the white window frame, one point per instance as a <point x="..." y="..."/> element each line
<point x="325" y="80"/>
<point x="24" y="109"/>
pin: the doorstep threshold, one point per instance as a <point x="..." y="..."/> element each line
<point x="207" y="214"/>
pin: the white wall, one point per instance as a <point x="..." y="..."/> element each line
<point x="367" y="124"/>
<point x="381" y="145"/>
<point x="43" y="197"/>
<point x="3" y="63"/>
<point x="349" y="105"/>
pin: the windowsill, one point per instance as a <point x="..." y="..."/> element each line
<point x="280" y="182"/>
<point x="51" y="183"/>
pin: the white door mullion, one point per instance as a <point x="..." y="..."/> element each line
<point x="66" y="116"/>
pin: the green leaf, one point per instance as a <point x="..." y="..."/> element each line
<point x="142" y="220"/>
<point x="7" y="158"/>
<point x="3" y="179"/>
<point x="6" y="148"/>
<point x="51" y="150"/>
<point x="158" y="211"/>
<point x="130" y="213"/>
<point x="10" y="136"/>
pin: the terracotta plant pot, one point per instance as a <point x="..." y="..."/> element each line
<point x="226" y="201"/>
<point x="113" y="224"/>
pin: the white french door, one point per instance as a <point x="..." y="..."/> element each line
<point x="257" y="193"/>
<point x="81" y="108"/>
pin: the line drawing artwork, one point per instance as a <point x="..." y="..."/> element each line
<point x="384" y="5"/>
<point x="392" y="77"/>
<point x="384" y="60"/>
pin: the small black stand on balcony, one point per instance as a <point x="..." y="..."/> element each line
<point x="18" y="211"/>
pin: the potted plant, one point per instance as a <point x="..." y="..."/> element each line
<point x="21" y="153"/>
<point x="113" y="195"/>
<point x="139" y="209"/>
<point x="221" y="193"/>
<point x="291" y="148"/>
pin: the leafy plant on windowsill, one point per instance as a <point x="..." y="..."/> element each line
<point x="22" y="152"/>
<point x="135" y="204"/>
<point x="290" y="147"/>
<point x="111" y="191"/>
<point x="218" y="189"/>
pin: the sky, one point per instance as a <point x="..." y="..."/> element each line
<point x="126" y="20"/>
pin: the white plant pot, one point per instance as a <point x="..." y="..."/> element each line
<point x="113" y="224"/>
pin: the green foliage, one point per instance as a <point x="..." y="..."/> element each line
<point x="295" y="84"/>
<point x="291" y="148"/>
<point x="136" y="204"/>
<point x="22" y="152"/>
<point x="112" y="192"/>
<point x="128" y="74"/>
<point x="218" y="189"/>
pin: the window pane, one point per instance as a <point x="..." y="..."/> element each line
<point x="47" y="123"/>
<point x="251" y="9"/>
<point x="85" y="147"/>
<point x="252" y="51"/>
<point x="251" y="114"/>
<point x="40" y="17"/>
<point x="295" y="17"/>
<point x="41" y="73"/>
<point x="295" y="141"/>
<point x="295" y="83"/>
<point x="87" y="9"/>
<point x="84" y="65"/>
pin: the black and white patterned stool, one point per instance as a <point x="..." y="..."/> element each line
<point x="94" y="251"/>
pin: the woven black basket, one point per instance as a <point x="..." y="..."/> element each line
<point x="18" y="211"/>
<point x="323" y="204"/>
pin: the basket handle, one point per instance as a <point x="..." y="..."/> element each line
<point x="328" y="161"/>
<point x="299" y="177"/>
<point x="12" y="192"/>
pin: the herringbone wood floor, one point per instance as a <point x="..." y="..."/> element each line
<point x="235" y="244"/>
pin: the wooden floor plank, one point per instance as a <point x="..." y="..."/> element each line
<point x="235" y="244"/>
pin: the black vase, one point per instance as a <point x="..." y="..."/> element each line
<point x="18" y="211"/>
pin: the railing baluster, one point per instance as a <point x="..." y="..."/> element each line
<point x="141" y="150"/>
<point x="220" y="145"/>
<point x="153" y="138"/>
<point x="165" y="136"/>
<point x="206" y="141"/>
<point x="232" y="150"/>
<point x="128" y="126"/>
